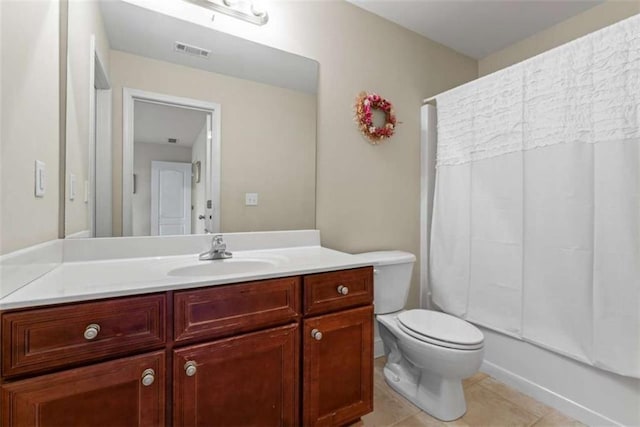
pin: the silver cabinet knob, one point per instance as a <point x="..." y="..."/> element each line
<point x="91" y="331"/>
<point x="148" y="377"/>
<point x="190" y="368"/>
<point x="343" y="290"/>
<point x="316" y="335"/>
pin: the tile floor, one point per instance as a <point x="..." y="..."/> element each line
<point x="489" y="403"/>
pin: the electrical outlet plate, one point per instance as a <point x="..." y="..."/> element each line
<point x="251" y="199"/>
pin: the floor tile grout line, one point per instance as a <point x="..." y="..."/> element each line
<point x="536" y="421"/>
<point x="538" y="417"/>
<point x="404" y="419"/>
<point x="547" y="412"/>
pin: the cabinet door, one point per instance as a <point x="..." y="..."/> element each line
<point x="247" y="380"/>
<point x="124" y="392"/>
<point x="338" y="367"/>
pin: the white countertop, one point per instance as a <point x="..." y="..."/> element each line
<point x="88" y="280"/>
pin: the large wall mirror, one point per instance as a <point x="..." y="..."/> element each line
<point x="174" y="128"/>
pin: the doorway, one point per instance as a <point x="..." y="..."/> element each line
<point x="171" y="165"/>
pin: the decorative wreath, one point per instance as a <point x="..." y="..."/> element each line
<point x="365" y="103"/>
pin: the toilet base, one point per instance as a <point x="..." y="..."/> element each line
<point x="439" y="397"/>
<point x="428" y="375"/>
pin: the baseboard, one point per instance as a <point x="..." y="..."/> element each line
<point x="546" y="396"/>
<point x="378" y="348"/>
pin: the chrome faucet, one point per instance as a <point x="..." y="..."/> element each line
<point x="218" y="250"/>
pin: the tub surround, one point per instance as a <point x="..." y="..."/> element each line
<point x="105" y="268"/>
<point x="549" y="378"/>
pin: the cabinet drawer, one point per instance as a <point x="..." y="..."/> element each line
<point x="226" y="310"/>
<point x="42" y="339"/>
<point x="337" y="290"/>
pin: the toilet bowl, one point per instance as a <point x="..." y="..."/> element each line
<point x="426" y="370"/>
<point x="429" y="353"/>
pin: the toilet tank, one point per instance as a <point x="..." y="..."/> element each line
<point x="391" y="279"/>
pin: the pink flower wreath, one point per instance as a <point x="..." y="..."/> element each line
<point x="365" y="103"/>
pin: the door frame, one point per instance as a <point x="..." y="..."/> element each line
<point x="212" y="167"/>
<point x="100" y="147"/>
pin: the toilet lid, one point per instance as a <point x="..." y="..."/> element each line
<point x="441" y="327"/>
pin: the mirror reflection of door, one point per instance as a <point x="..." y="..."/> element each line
<point x="168" y="196"/>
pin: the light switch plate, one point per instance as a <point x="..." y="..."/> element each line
<point x="40" y="179"/>
<point x="251" y="199"/>
<point x="72" y="186"/>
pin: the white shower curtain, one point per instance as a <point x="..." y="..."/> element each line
<point x="537" y="204"/>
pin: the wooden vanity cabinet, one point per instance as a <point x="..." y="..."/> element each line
<point x="280" y="352"/>
<point x="337" y="347"/>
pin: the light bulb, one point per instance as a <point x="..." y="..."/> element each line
<point x="257" y="8"/>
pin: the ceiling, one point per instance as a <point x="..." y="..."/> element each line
<point x="476" y="28"/>
<point x="145" y="32"/>
<point x="156" y="123"/>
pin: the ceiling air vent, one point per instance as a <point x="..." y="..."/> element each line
<point x="192" y="50"/>
<point x="173" y="140"/>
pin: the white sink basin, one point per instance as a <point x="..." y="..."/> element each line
<point x="224" y="266"/>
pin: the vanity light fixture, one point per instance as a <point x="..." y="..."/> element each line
<point x="249" y="11"/>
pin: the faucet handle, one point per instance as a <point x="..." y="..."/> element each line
<point x="218" y="244"/>
<point x="218" y="250"/>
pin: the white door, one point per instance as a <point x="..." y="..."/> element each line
<point x="170" y="198"/>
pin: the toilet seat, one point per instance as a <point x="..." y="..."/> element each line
<point x="440" y="329"/>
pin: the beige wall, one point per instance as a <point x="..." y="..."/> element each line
<point x="84" y="20"/>
<point x="267" y="142"/>
<point x="29" y="121"/>
<point x="368" y="197"/>
<point x="589" y="21"/>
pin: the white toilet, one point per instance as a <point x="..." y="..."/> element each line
<point x="429" y="353"/>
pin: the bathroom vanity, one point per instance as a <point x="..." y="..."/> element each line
<point x="289" y="350"/>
